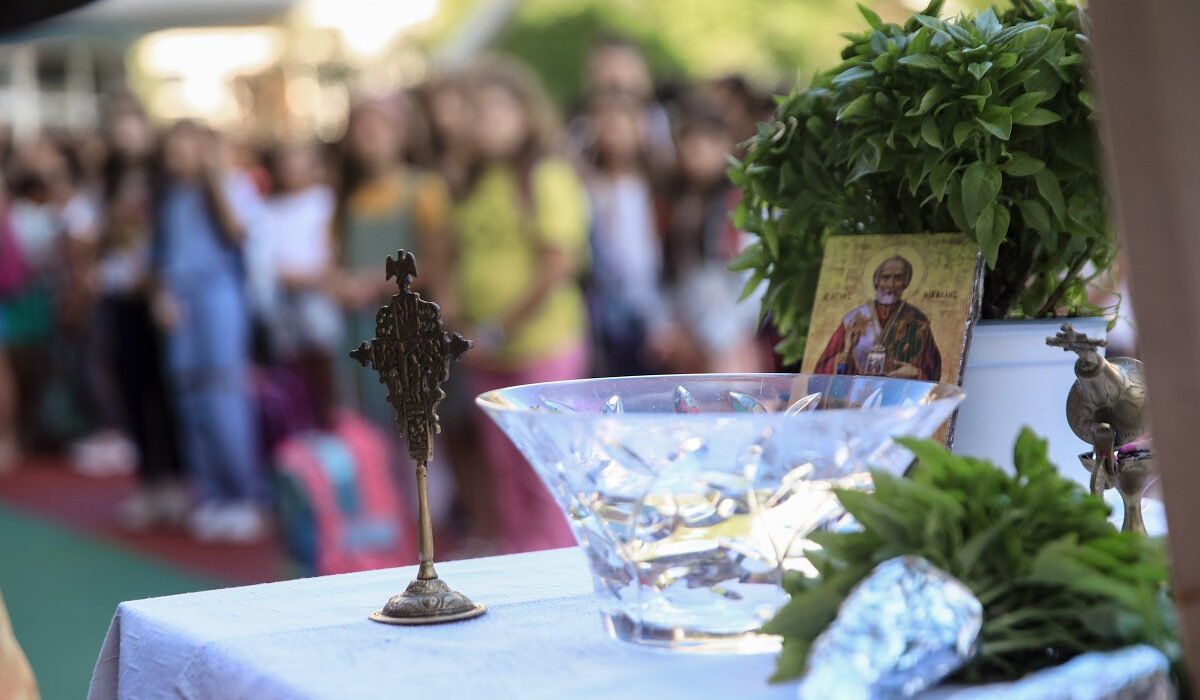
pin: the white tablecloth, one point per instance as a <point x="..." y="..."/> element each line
<point x="540" y="639"/>
<point x="310" y="638"/>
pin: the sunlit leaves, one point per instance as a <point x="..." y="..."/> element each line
<point x="921" y="61"/>
<point x="861" y="105"/>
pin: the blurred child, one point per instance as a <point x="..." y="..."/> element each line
<point x="134" y="342"/>
<point x="741" y="104"/>
<point x="383" y="205"/>
<point x="446" y="108"/>
<point x="12" y="278"/>
<point x="521" y="234"/>
<point x="49" y="320"/>
<point x="27" y="311"/>
<point x="615" y="66"/>
<point x="203" y="214"/>
<point x="84" y="359"/>
<point x="710" y="330"/>
<point x="444" y="100"/>
<point x="27" y="308"/>
<point x="304" y="323"/>
<point x="623" y="294"/>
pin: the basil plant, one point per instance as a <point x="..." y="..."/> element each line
<point x="980" y="124"/>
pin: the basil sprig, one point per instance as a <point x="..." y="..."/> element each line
<point x="1055" y="578"/>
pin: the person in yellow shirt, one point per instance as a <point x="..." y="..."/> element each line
<point x="520" y="242"/>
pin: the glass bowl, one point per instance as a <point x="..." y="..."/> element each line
<point x="690" y="495"/>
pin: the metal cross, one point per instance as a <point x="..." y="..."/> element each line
<point x="412" y="354"/>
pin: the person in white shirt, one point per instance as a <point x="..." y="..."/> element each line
<point x="303" y="322"/>
<point x="624" y="299"/>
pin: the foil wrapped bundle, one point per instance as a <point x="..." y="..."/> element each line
<point x="903" y="628"/>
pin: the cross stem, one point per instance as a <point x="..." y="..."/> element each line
<point x="424" y="525"/>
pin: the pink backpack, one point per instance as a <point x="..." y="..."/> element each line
<point x="338" y="504"/>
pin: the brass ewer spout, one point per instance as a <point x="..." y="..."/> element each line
<point x="1107" y="408"/>
<point x="412" y="354"/>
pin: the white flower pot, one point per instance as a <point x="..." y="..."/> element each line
<point x="1013" y="379"/>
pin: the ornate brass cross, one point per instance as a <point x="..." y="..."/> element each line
<point x="412" y="354"/>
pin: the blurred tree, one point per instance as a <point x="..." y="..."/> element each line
<point x="771" y="42"/>
<point x="556" y="43"/>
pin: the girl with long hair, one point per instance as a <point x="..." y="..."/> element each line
<point x="443" y="100"/>
<point x="706" y="330"/>
<point x="383" y="204"/>
<point x="624" y="300"/>
<point x="521" y="239"/>
<point x="135" y="345"/>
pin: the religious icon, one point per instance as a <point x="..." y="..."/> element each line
<point x="876" y="360"/>
<point x="412" y="355"/>
<point x="896" y="306"/>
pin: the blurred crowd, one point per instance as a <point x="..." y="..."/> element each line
<point x="179" y="302"/>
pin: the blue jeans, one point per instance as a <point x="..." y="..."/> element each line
<point x="208" y="360"/>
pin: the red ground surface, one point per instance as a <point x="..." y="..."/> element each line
<point x="49" y="489"/>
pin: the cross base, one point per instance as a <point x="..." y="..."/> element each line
<point x="427" y="602"/>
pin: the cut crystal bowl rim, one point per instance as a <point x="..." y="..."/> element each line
<point x="490" y="400"/>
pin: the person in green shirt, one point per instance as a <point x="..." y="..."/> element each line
<point x="520" y="241"/>
<point x="384" y="204"/>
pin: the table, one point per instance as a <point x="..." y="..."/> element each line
<point x="310" y="638"/>
<point x="540" y="639"/>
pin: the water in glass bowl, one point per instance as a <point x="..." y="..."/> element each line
<point x="692" y="495"/>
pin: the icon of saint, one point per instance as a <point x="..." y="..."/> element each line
<point x="887" y="336"/>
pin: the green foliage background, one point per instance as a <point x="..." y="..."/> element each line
<point x="772" y="42"/>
